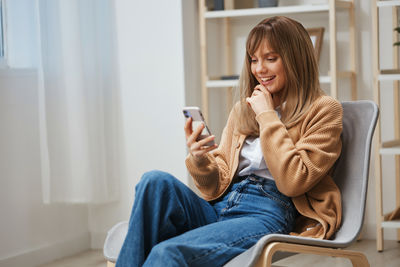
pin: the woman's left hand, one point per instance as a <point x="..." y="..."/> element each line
<point x="260" y="100"/>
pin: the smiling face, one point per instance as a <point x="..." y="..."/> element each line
<point x="280" y="56"/>
<point x="267" y="67"/>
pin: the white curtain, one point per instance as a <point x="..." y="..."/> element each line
<point x="78" y="101"/>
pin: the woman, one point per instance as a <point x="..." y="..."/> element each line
<point x="270" y="174"/>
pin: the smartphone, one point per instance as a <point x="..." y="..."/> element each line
<point x="197" y="119"/>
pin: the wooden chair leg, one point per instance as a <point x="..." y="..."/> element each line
<point x="110" y="264"/>
<point x="358" y="259"/>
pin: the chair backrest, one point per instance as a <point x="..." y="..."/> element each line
<point x="352" y="168"/>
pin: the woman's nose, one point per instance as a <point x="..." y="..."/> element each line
<point x="260" y="68"/>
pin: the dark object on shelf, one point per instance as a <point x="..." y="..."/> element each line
<point x="397" y="29"/>
<point x="218" y="4"/>
<point x="230" y="77"/>
<point x="267" y="3"/>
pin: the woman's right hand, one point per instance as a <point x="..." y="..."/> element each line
<point x="198" y="149"/>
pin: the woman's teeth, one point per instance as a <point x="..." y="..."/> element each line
<point x="267" y="79"/>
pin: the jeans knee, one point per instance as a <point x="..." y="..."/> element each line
<point x="156" y="176"/>
<point x="156" y="179"/>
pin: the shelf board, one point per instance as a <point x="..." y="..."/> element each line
<point x="391" y="224"/>
<point x="279" y="10"/>
<point x="233" y="83"/>
<point x="267" y="11"/>
<point x="388" y="3"/>
<point x="389" y="75"/>
<point x="221" y="83"/>
<point x="394" y="150"/>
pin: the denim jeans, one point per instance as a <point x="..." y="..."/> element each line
<point x="171" y="226"/>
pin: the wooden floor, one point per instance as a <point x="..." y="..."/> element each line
<point x="389" y="258"/>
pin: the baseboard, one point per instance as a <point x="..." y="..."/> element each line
<point x="48" y="253"/>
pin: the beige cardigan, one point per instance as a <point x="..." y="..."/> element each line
<point x="299" y="158"/>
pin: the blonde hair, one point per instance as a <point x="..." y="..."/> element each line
<point x="291" y="41"/>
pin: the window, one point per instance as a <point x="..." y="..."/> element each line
<point x="2" y="33"/>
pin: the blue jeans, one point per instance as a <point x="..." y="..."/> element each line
<point x="171" y="226"/>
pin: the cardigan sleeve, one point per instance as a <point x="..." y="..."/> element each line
<point x="298" y="167"/>
<point x="212" y="174"/>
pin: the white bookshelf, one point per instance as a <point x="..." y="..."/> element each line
<point x="390" y="147"/>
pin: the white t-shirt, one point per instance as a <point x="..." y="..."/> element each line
<point x="251" y="159"/>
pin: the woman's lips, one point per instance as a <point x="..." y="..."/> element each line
<point x="267" y="80"/>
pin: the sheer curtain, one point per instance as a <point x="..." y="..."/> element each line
<point x="78" y="101"/>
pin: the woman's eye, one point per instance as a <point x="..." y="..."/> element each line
<point x="271" y="58"/>
<point x="253" y="60"/>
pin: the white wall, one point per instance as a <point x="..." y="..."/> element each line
<point x="150" y="47"/>
<point x="30" y="232"/>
